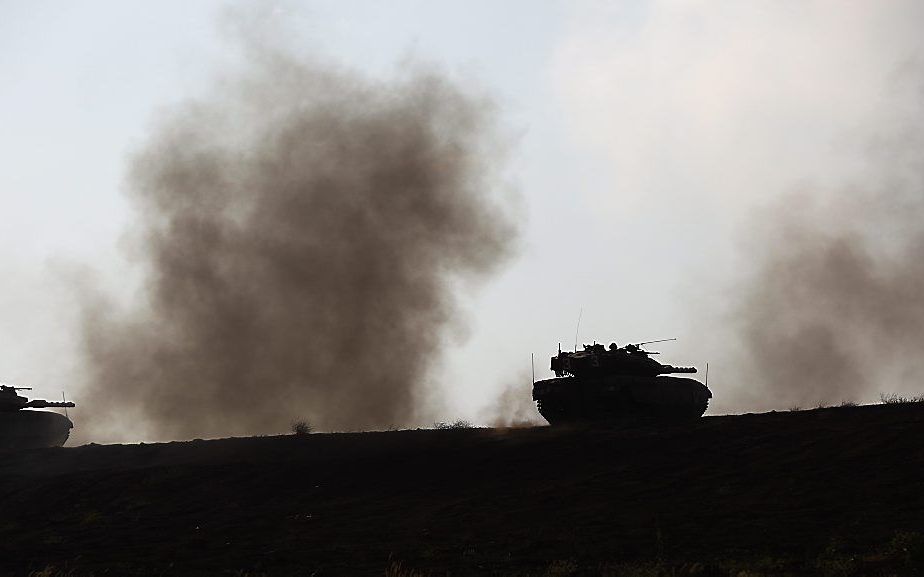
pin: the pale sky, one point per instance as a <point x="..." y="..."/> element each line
<point x="644" y="138"/>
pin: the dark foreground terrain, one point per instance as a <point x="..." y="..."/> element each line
<point x="832" y="491"/>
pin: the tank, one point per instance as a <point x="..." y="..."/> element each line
<point x="23" y="428"/>
<point x="618" y="384"/>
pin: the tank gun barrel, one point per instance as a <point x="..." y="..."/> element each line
<point x="654" y="341"/>
<point x="670" y="369"/>
<point x="43" y="404"/>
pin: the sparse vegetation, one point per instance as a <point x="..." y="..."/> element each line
<point x="561" y="569"/>
<point x="847" y="404"/>
<point x="795" y="408"/>
<point x="894" y="399"/>
<point x="907" y="548"/>
<point x="51" y="572"/>
<point x="397" y="569"/>
<point x="903" y="555"/>
<point x="90" y="517"/>
<point x="302" y="427"/>
<point x="460" y="424"/>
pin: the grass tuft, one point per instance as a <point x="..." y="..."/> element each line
<point x="302" y="427"/>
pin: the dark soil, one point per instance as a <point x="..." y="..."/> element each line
<point x="471" y="501"/>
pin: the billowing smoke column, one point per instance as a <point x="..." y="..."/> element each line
<point x="835" y="308"/>
<point x="301" y="234"/>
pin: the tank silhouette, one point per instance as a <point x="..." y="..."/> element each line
<point x="618" y="384"/>
<point x="21" y="428"/>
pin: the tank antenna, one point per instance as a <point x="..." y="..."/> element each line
<point x="65" y="400"/>
<point x="578" y="329"/>
<point x="532" y="361"/>
<point x="707" y="374"/>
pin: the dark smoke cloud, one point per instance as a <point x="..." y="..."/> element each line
<point x="301" y="233"/>
<point x="834" y="309"/>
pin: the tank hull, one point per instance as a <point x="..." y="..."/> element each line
<point x="33" y="429"/>
<point x="567" y="400"/>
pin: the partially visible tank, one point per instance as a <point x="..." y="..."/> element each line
<point x="618" y="384"/>
<point x="22" y="428"/>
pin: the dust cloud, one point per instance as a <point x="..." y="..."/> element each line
<point x="303" y="232"/>
<point x="833" y="309"/>
<point x="513" y="406"/>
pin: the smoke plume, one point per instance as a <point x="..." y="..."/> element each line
<point x="301" y="233"/>
<point x="834" y="308"/>
<point x="799" y="123"/>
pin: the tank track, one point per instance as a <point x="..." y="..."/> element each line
<point x="567" y="400"/>
<point x="27" y="429"/>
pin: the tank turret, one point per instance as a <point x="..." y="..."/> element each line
<point x="615" y="382"/>
<point x="23" y="428"/>
<point x="596" y="360"/>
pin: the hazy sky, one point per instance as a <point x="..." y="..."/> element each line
<point x="645" y="139"/>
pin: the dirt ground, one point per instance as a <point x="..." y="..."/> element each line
<point x="469" y="501"/>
